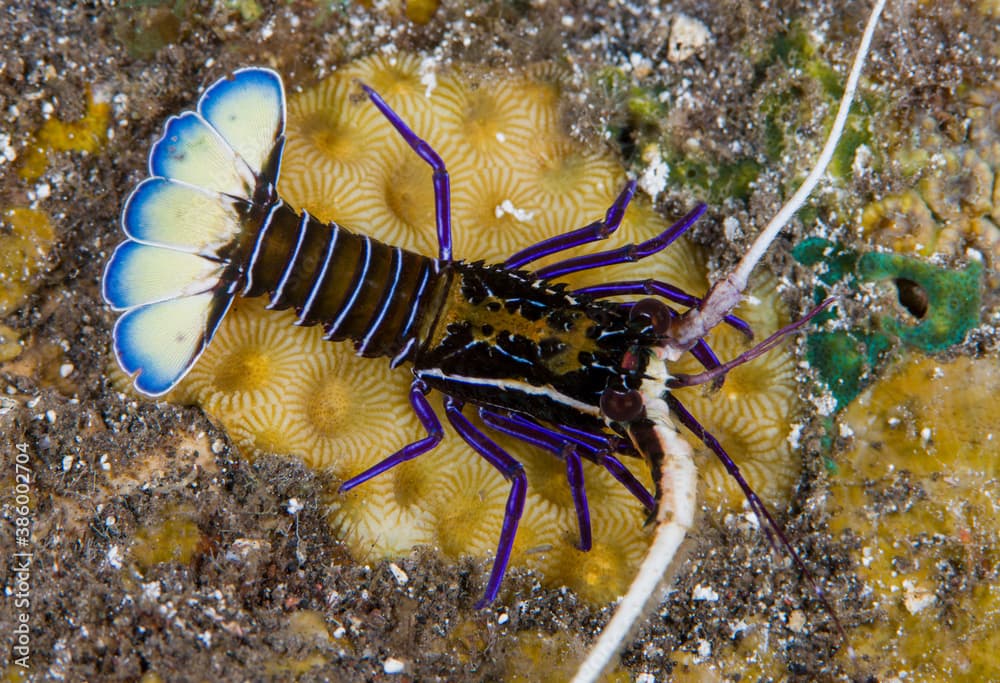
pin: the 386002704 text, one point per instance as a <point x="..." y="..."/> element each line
<point x="19" y="587"/>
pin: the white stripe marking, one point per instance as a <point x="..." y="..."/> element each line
<point x="259" y="244"/>
<point x="318" y="283"/>
<point x="416" y="300"/>
<point x="397" y="258"/>
<point x="514" y="385"/>
<point x="279" y="292"/>
<point x="349" y="304"/>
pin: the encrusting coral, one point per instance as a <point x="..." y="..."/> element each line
<point x="516" y="179"/>
<point x="954" y="203"/>
<point x="918" y="491"/>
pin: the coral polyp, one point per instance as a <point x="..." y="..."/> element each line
<point x="399" y="199"/>
<point x="330" y="139"/>
<point x="490" y="124"/>
<point x="498" y="214"/>
<point x="406" y="81"/>
<point x="250" y="365"/>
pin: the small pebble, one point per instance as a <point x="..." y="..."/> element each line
<point x="401" y="578"/>
<point x="393" y="666"/>
<point x="687" y="36"/>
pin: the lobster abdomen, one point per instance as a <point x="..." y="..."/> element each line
<point x="356" y="287"/>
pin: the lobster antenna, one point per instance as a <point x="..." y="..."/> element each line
<point x="724" y="296"/>
<point x="683" y="380"/>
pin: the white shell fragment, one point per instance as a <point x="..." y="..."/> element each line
<point x="393" y="666"/>
<point x="687" y="37"/>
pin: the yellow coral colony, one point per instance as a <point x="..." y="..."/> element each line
<point x="516" y="178"/>
<point x="958" y="205"/>
<point x="919" y="490"/>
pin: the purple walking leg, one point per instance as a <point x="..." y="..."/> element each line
<point x="434" y="435"/>
<point x="595" y="448"/>
<point x="598" y="448"/>
<point x="657" y="288"/>
<point x="627" y="254"/>
<point x="612" y="443"/>
<point x="756" y="504"/>
<point x="562" y="448"/>
<point x="596" y="231"/>
<point x="513" y="472"/>
<point x="574" y="474"/>
<point x="442" y="183"/>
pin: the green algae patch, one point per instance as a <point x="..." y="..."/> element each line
<point x="845" y="360"/>
<point x="721" y="181"/>
<point x="944" y="302"/>
<point x="838" y="261"/>
<point x="785" y="110"/>
<point x="952" y="298"/>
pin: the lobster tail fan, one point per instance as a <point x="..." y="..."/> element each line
<point x="214" y="177"/>
<point x="248" y="111"/>
<point x="162" y="341"/>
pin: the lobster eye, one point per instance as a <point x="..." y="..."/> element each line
<point x="621" y="405"/>
<point x="655" y="311"/>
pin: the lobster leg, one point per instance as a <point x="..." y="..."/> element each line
<point x="442" y="182"/>
<point x="578" y="489"/>
<point x="598" y="230"/>
<point x="434" y="435"/>
<point x="513" y="471"/>
<point x="657" y="288"/>
<point x="627" y="254"/>
<point x="611" y="443"/>
<point x="569" y="448"/>
<point x="509" y="424"/>
<point x="597" y="449"/>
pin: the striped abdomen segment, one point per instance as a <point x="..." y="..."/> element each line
<point x="357" y="287"/>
